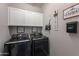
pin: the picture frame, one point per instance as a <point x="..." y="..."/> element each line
<point x="72" y="11"/>
<point x="20" y="29"/>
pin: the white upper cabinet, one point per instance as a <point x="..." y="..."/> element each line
<point x="18" y="17"/>
<point x="37" y="19"/>
<point x="27" y="18"/>
<point x="34" y="18"/>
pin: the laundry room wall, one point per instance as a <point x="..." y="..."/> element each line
<point x="61" y="42"/>
<point x="4" y="32"/>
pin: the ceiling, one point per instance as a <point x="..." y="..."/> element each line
<point x="37" y="4"/>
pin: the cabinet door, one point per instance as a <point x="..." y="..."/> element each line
<point x="20" y="17"/>
<point x="27" y="18"/>
<point x="34" y="18"/>
<point x="16" y="17"/>
<point x="11" y="16"/>
<point x="38" y="19"/>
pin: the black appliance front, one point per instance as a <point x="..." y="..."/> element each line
<point x="37" y="46"/>
<point x="18" y="49"/>
<point x="40" y="47"/>
<point x="71" y="27"/>
<point x="21" y="47"/>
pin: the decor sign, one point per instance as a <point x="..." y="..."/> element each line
<point x="71" y="11"/>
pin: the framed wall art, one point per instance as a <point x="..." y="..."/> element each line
<point x="20" y="29"/>
<point x="72" y="11"/>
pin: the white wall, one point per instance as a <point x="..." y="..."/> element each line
<point x="61" y="42"/>
<point x="4" y="32"/>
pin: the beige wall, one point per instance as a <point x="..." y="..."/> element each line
<point x="4" y="32"/>
<point x="61" y="42"/>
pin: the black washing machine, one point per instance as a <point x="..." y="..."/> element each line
<point x="18" y="45"/>
<point x="39" y="45"/>
<point x="23" y="45"/>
